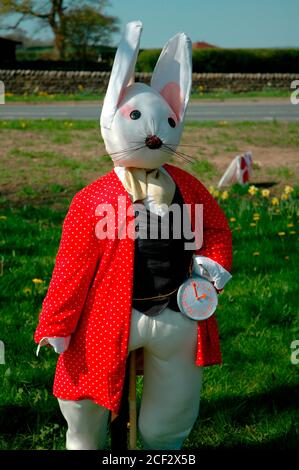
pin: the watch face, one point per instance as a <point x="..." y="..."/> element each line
<point x="197" y="298"/>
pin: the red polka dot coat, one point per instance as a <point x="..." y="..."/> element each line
<point x="90" y="293"/>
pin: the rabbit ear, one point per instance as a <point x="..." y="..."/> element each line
<point x="122" y="72"/>
<point x="172" y="76"/>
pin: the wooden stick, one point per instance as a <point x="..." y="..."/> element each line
<point x="132" y="402"/>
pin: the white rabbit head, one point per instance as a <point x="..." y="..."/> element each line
<point x="141" y="125"/>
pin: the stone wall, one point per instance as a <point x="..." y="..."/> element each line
<point x="51" y="82"/>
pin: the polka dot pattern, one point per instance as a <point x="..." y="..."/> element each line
<point x="90" y="293"/>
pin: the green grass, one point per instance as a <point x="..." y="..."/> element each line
<point x="86" y="96"/>
<point x="252" y="399"/>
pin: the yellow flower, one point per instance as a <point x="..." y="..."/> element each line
<point x="27" y="290"/>
<point x="284" y="197"/>
<point x="290" y="225"/>
<point x="23" y="124"/>
<point x="252" y="224"/>
<point x="223" y="123"/>
<point x="288" y="189"/>
<point x="281" y="234"/>
<point x="3" y="217"/>
<point x="256" y="253"/>
<point x="252" y="190"/>
<point x="274" y="201"/>
<point x="293" y="232"/>
<point x="290" y="217"/>
<point x="265" y="193"/>
<point x="37" y="281"/>
<point x="232" y="219"/>
<point x="224" y="195"/>
<point x="256" y="217"/>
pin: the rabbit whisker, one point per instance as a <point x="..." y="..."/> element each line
<point x="183" y="145"/>
<point x="124" y="150"/>
<point x="172" y="152"/>
<point x="183" y="155"/>
<point x="127" y="153"/>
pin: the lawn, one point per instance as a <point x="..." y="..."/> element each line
<point x="249" y="401"/>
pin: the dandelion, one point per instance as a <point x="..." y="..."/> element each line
<point x="265" y="193"/>
<point x="256" y="216"/>
<point x="214" y="191"/>
<point x="281" y="234"/>
<point x="3" y="217"/>
<point x="256" y="253"/>
<point x="23" y="124"/>
<point x="224" y="195"/>
<point x="252" y="190"/>
<point x="274" y="201"/>
<point x="253" y="224"/>
<point x="288" y="189"/>
<point x="37" y="281"/>
<point x="290" y="225"/>
<point x="232" y="219"/>
<point x="284" y="197"/>
<point x="293" y="232"/>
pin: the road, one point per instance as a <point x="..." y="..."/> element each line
<point x="279" y="109"/>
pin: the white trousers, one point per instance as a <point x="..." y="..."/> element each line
<point x="171" y="387"/>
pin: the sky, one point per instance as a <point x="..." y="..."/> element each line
<point x="225" y="23"/>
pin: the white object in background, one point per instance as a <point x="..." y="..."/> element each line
<point x="59" y="345"/>
<point x="238" y="171"/>
<point x="211" y="270"/>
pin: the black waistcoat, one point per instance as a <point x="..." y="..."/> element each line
<point x="161" y="261"/>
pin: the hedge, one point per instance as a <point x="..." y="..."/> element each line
<point x="232" y="60"/>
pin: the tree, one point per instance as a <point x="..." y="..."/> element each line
<point x="86" y="28"/>
<point x="53" y="14"/>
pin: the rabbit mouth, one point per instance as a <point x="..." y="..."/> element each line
<point x="153" y="142"/>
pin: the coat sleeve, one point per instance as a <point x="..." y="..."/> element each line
<point x="217" y="238"/>
<point x="74" y="269"/>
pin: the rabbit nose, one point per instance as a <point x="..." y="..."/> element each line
<point x="153" y="142"/>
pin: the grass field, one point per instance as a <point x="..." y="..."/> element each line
<point x="249" y="401"/>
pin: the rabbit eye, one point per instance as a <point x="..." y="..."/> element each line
<point x="171" y="122"/>
<point x="135" y="114"/>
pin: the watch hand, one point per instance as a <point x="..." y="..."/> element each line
<point x="203" y="296"/>
<point x="195" y="290"/>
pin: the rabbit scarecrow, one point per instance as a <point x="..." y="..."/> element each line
<point x="112" y="294"/>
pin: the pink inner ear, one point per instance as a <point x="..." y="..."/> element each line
<point x="171" y="92"/>
<point x="122" y="95"/>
